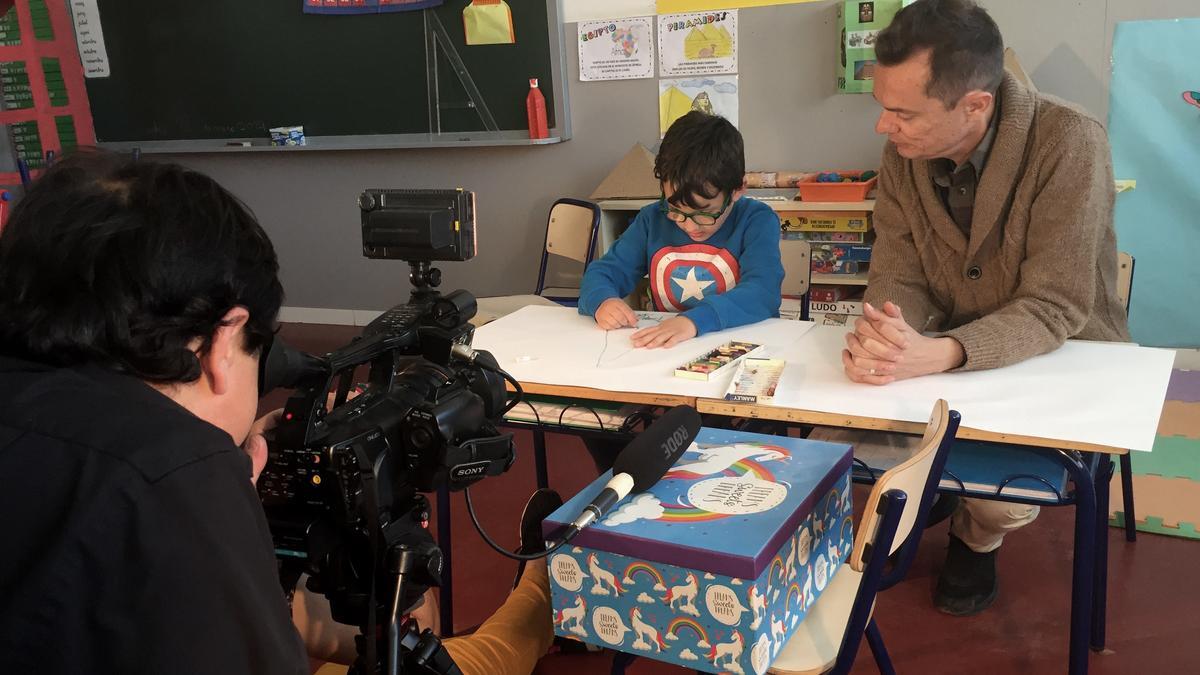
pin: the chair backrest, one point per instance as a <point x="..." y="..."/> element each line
<point x="797" y="266"/>
<point x="570" y="233"/>
<point x="918" y="478"/>
<point x="1124" y="278"/>
<point x="571" y="230"/>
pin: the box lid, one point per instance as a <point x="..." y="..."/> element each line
<point x="726" y="507"/>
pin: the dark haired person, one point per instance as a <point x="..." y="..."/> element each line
<point x="135" y="299"/>
<point x="994" y="236"/>
<point x="712" y="256"/>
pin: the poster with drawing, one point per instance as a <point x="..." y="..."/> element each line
<point x="701" y="43"/>
<point x="618" y="49"/>
<point x="1154" y="130"/>
<point x="716" y="95"/>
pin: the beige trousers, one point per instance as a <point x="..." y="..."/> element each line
<point x="982" y="523"/>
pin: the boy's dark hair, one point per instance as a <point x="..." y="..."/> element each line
<point x="966" y="51"/>
<point x="703" y="155"/>
<point x="124" y="264"/>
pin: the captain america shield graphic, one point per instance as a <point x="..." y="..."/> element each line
<point x="682" y="276"/>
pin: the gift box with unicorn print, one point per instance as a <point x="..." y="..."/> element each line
<point x="713" y="567"/>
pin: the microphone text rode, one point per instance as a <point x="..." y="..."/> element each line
<point x="643" y="462"/>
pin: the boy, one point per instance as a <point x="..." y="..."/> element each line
<point x="712" y="256"/>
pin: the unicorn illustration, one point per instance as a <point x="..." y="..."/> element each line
<point x="758" y="605"/>
<point x="731" y="650"/>
<point x="602" y="577"/>
<point x="686" y="593"/>
<point x="647" y="635"/>
<point x="777" y="634"/>
<point x="573" y="615"/>
<point x="716" y="459"/>
<point x="834" y="554"/>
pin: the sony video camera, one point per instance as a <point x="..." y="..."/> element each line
<point x="406" y="408"/>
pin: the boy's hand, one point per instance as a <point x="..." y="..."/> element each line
<point x="614" y="313"/>
<point x="666" y="334"/>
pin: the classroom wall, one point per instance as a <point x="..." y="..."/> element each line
<point x="790" y="118"/>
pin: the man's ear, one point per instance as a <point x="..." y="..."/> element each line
<point x="977" y="102"/>
<point x="226" y="343"/>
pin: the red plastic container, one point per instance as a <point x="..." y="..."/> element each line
<point x="535" y="108"/>
<point x="854" y="191"/>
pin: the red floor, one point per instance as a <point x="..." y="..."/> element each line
<point x="1153" y="602"/>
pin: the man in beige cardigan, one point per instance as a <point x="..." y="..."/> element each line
<point x="994" y="236"/>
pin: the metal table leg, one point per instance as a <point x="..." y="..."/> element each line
<point x="1104" y="472"/>
<point x="1083" y="573"/>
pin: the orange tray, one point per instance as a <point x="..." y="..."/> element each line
<point x="853" y="191"/>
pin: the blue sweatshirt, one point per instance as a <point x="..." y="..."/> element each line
<point x="729" y="280"/>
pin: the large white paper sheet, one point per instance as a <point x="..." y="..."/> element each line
<point x="553" y="345"/>
<point x="1085" y="392"/>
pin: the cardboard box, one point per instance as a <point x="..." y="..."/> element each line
<point x="820" y="221"/>
<point x="858" y="24"/>
<point x="632" y="177"/>
<point x="714" y="567"/>
<point x="838" y="251"/>
<point x="852" y="307"/>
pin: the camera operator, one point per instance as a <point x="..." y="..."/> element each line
<point x="135" y="299"/>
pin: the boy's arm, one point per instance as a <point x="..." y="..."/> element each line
<point x="757" y="294"/>
<point x="616" y="274"/>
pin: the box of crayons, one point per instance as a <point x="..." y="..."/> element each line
<point x="756" y="380"/>
<point x="717" y="362"/>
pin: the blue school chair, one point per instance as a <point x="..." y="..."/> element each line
<point x="1124" y="291"/>
<point x="828" y="638"/>
<point x="570" y="233"/>
<point x="797" y="271"/>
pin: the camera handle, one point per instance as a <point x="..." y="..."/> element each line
<point x="422" y="652"/>
<point x="409" y="650"/>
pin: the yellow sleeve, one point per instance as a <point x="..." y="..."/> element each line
<point x="512" y="640"/>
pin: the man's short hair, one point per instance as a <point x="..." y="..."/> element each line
<point x="124" y="264"/>
<point x="701" y="154"/>
<point x="966" y="51"/>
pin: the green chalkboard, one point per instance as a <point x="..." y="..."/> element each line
<point x="184" y="70"/>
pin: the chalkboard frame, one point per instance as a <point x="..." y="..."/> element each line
<point x="561" y="130"/>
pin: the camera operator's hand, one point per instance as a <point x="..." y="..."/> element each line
<point x="255" y="444"/>
<point x="614" y="313"/>
<point x="666" y="334"/>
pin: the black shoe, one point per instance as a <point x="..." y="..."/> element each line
<point x="540" y="505"/>
<point x="967" y="584"/>
<point x="943" y="507"/>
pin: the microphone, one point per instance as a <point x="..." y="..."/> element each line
<point x="643" y="462"/>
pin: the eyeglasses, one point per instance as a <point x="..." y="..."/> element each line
<point x="700" y="218"/>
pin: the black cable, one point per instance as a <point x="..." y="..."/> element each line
<point x="511" y="380"/>
<point x="500" y="549"/>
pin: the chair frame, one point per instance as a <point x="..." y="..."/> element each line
<point x="878" y="553"/>
<point x="591" y="245"/>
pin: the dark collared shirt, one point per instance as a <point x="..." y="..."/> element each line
<point x="957" y="185"/>
<point x="133" y="541"/>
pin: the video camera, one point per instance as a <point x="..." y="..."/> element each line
<point x="341" y="488"/>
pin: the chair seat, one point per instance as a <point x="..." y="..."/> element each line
<point x="973" y="468"/>
<point x="813" y="647"/>
<point x="490" y="309"/>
